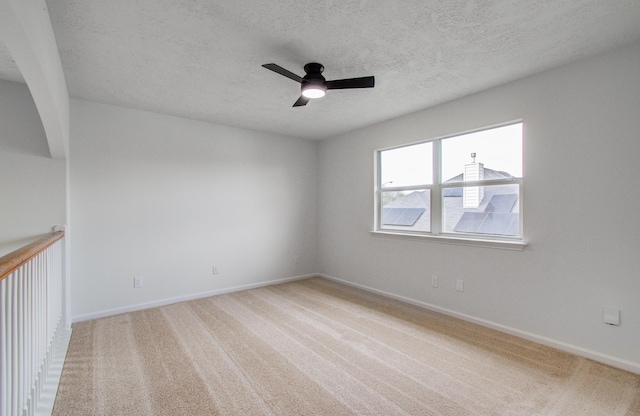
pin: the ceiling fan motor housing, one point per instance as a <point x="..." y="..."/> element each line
<point x="313" y="80"/>
<point x="314" y="73"/>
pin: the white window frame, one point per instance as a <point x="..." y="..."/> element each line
<point x="436" y="201"/>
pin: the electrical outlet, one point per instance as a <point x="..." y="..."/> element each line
<point x="460" y="285"/>
<point x="296" y="260"/>
<point x="216" y="270"/>
<point x="137" y="282"/>
<point x="434" y="281"/>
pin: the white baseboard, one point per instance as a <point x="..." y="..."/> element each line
<point x="162" y="302"/>
<point x="573" y="349"/>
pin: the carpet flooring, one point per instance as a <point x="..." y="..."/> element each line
<point x="316" y="347"/>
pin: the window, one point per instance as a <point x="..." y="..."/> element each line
<point x="467" y="186"/>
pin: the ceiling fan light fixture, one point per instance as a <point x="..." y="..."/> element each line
<point x="313" y="90"/>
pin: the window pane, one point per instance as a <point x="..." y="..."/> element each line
<point x="482" y="210"/>
<point x="406" y="210"/>
<point x="483" y="155"/>
<point x="407" y="166"/>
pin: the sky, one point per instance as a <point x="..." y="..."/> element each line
<point x="498" y="148"/>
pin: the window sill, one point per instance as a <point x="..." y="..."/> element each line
<point x="497" y="244"/>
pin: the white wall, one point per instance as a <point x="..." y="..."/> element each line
<point x="168" y="198"/>
<point x="32" y="185"/>
<point x="581" y="199"/>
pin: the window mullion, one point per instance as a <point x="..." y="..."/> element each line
<point x="378" y="191"/>
<point x="436" y="190"/>
<point x="405" y="188"/>
<point x="491" y="182"/>
<point x="521" y="205"/>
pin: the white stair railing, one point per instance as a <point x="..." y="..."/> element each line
<point x="31" y="321"/>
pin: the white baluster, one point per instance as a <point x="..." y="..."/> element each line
<point x="3" y="347"/>
<point x="31" y="305"/>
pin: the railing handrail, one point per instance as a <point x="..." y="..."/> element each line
<point x="12" y="261"/>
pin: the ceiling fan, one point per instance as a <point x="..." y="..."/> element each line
<point x="313" y="84"/>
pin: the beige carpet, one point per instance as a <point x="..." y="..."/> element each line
<point x="318" y="347"/>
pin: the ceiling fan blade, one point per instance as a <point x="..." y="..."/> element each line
<point x="340" y="84"/>
<point x="280" y="70"/>
<point x="301" y="101"/>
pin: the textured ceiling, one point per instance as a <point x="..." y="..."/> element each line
<point x="201" y="59"/>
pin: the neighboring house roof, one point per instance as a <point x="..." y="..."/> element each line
<point x="497" y="213"/>
<point x="417" y="199"/>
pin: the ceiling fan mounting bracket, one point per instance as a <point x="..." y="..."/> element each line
<point x="313" y="68"/>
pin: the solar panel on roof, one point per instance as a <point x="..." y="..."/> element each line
<point x="401" y="216"/>
<point x="495" y="223"/>
<point x="501" y="203"/>
<point x="391" y="215"/>
<point x="498" y="223"/>
<point x="514" y="227"/>
<point x="470" y="222"/>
